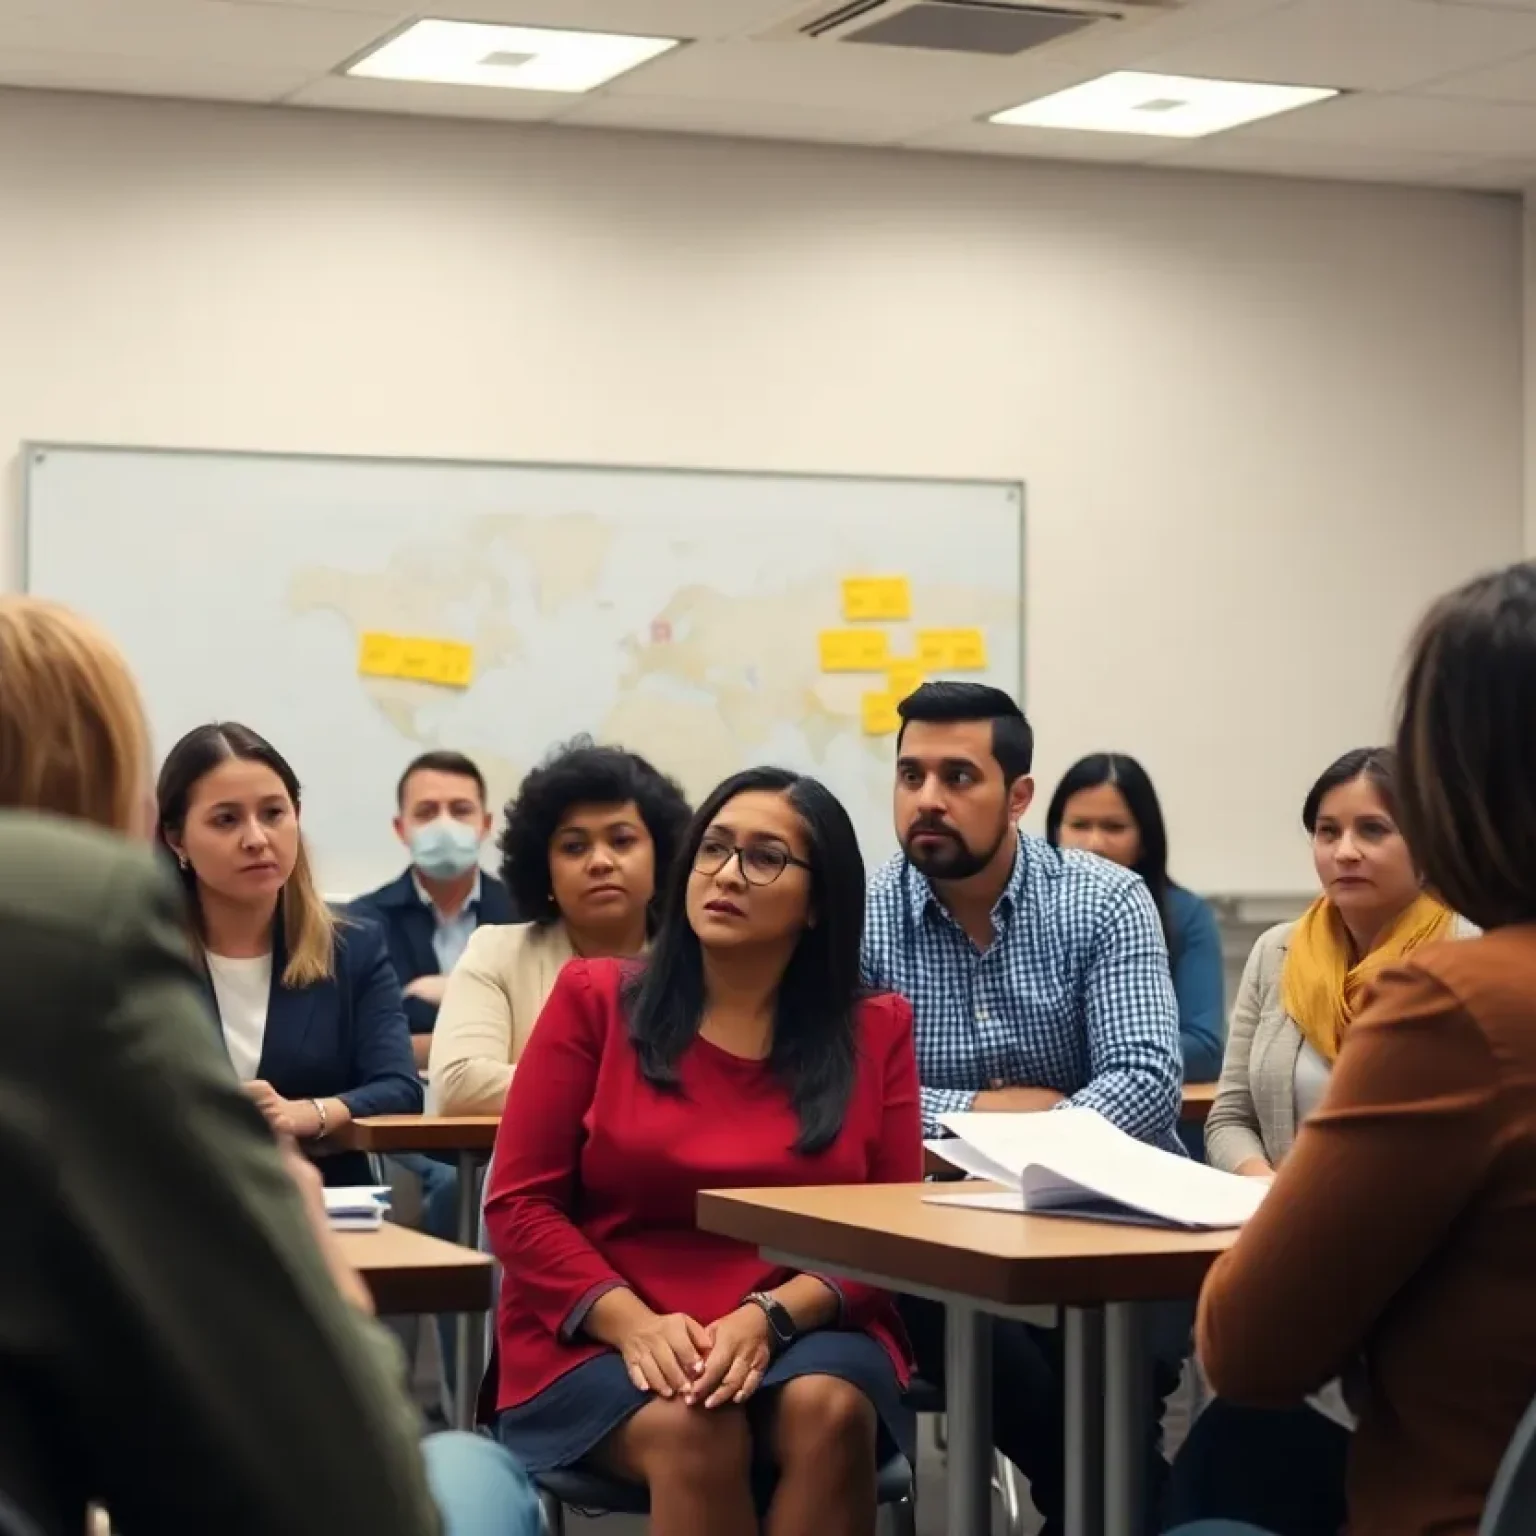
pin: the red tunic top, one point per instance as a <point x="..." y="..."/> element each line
<point x="596" y="1174"/>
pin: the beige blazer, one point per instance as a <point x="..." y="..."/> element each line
<point x="493" y="1000"/>
<point x="1254" y="1112"/>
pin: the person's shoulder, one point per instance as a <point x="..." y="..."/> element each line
<point x="358" y="942"/>
<point x="393" y="893"/>
<point x="889" y="882"/>
<point x="1185" y="909"/>
<point x="1076" y="879"/>
<point x="883" y="1018"/>
<point x="1491" y="976"/>
<point x="69" y="876"/>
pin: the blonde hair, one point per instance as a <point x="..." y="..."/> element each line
<point x="309" y="928"/>
<point x="72" y="735"/>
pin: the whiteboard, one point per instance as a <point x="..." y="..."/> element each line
<point x="677" y="613"/>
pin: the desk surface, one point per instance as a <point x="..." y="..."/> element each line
<point x="410" y="1272"/>
<point x="889" y="1232"/>
<point x="419" y="1133"/>
<point x="1198" y="1098"/>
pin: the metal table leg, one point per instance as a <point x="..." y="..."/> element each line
<point x="1127" y="1418"/>
<point x="469" y="1327"/>
<point x="968" y="1410"/>
<point x="1083" y="1358"/>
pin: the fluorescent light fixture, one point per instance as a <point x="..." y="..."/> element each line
<point x="514" y="58"/>
<point x="1168" y="106"/>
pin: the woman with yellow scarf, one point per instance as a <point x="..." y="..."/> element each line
<point x="1305" y="981"/>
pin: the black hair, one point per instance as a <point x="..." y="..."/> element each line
<point x="1013" y="741"/>
<point x="1135" y="786"/>
<point x="814" y="1050"/>
<point x="1378" y="765"/>
<point x="579" y="773"/>
<point x="1466" y="743"/>
<point x="440" y="762"/>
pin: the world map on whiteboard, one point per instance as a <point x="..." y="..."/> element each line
<point x="358" y="612"/>
<point x="718" y="677"/>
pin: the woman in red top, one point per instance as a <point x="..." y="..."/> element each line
<point x="743" y="1054"/>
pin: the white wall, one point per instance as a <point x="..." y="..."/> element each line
<point x="1261" y="421"/>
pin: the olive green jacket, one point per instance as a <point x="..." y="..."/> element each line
<point x="171" y="1344"/>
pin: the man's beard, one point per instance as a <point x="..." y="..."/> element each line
<point x="951" y="858"/>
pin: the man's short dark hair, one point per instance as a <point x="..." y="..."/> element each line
<point x="440" y="762"/>
<point x="1013" y="741"/>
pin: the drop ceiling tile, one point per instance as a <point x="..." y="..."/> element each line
<point x="390" y="10"/>
<point x="207" y="31"/>
<point x="1432" y="124"/>
<point x="793" y="72"/>
<point x="1370" y="45"/>
<point x="1240" y="152"/>
<point x="424" y="99"/>
<point x="144" y="77"/>
<point x="747" y="119"/>
<point x="1037" y="143"/>
<point x="1513" y="80"/>
<point x="649" y="18"/>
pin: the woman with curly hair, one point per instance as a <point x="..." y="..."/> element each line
<point x="587" y="836"/>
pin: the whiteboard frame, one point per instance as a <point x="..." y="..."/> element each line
<point x="34" y="452"/>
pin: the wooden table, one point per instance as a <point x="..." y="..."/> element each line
<point x="471" y="1138"/>
<point x="1198" y="1098"/>
<point x="409" y="1272"/>
<point x="982" y="1264"/>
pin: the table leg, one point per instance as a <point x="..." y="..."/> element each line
<point x="469" y="1327"/>
<point x="968" y="1411"/>
<point x="1083" y="1358"/>
<point x="1127" y="1418"/>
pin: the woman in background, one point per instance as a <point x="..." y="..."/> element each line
<point x="309" y="1004"/>
<point x="1401" y="1229"/>
<point x="183" y="1340"/>
<point x="743" y="1052"/>
<point x="1106" y="804"/>
<point x="1301" y="989"/>
<point x="586" y="838"/>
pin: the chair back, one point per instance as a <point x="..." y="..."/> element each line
<point x="1511" y="1506"/>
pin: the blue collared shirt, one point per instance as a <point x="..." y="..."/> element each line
<point x="1073" y="993"/>
<point x="451" y="936"/>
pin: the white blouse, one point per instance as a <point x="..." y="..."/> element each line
<point x="241" y="988"/>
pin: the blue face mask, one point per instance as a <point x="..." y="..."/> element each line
<point x="445" y="848"/>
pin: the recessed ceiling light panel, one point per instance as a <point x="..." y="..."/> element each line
<point x="1166" y="106"/>
<point x="512" y="58"/>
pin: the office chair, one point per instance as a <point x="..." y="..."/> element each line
<point x="594" y="1494"/>
<point x="13" y="1522"/>
<point x="1511" y="1506"/>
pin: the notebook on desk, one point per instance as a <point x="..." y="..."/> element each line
<point x="358" y="1208"/>
<point x="1073" y="1162"/>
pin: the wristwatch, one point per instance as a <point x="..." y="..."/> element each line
<point x="781" y="1323"/>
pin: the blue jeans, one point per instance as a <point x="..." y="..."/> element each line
<point x="439" y="1218"/>
<point x="479" y="1487"/>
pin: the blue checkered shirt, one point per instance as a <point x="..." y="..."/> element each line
<point x="1072" y="994"/>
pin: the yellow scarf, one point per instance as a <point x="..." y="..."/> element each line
<point x="1319" y="986"/>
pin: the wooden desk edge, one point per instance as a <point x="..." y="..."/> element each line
<point x="419" y="1133"/>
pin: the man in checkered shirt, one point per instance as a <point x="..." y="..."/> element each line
<point x="1037" y="977"/>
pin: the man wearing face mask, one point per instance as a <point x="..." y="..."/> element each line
<point x="430" y="911"/>
<point x="1037" y="976"/>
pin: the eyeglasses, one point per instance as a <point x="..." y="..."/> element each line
<point x="761" y="863"/>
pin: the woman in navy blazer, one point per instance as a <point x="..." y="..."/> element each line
<point x="308" y="1003"/>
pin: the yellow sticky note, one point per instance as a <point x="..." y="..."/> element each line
<point x="968" y="650"/>
<point x="455" y="664"/>
<point x="933" y="648"/>
<point x="378" y="655"/>
<point x="853" y="650"/>
<point x="418" y="659"/>
<point x="879" y="714"/>
<point x="877" y="597"/>
<point x="904" y="677"/>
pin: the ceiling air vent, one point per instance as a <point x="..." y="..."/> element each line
<point x="1000" y="27"/>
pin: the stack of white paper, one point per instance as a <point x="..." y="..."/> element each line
<point x="1073" y="1162"/>
<point x="358" y="1209"/>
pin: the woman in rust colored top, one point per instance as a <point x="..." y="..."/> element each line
<point x="1398" y="1244"/>
<point x="742" y="1053"/>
